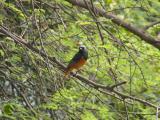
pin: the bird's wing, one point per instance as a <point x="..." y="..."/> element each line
<point x="75" y="59"/>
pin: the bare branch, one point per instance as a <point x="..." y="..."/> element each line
<point x="139" y="32"/>
<point x="151" y="25"/>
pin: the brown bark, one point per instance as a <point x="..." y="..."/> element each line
<point x="137" y="31"/>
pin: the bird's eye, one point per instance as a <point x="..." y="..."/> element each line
<point x="81" y="48"/>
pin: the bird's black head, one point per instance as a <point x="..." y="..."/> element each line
<point x="83" y="51"/>
<point x="82" y="48"/>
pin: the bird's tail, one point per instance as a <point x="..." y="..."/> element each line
<point x="67" y="71"/>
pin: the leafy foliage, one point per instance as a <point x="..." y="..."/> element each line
<point x="32" y="88"/>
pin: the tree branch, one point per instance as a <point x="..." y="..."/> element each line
<point x="151" y="25"/>
<point x="139" y="32"/>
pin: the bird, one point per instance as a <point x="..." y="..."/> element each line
<point x="78" y="60"/>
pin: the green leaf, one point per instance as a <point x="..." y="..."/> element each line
<point x="83" y="23"/>
<point x="88" y="116"/>
<point x="8" y="109"/>
<point x="108" y="2"/>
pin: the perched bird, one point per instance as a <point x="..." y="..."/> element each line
<point x="78" y="60"/>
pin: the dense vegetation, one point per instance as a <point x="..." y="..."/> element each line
<point x="121" y="79"/>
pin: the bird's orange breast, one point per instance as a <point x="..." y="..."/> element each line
<point x="76" y="65"/>
<point x="79" y="63"/>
